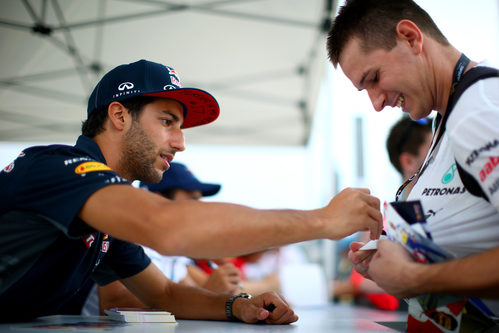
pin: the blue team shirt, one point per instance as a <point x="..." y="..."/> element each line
<point x="46" y="251"/>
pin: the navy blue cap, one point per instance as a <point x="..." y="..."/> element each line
<point x="147" y="78"/>
<point x="179" y="176"/>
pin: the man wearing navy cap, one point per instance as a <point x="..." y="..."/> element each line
<point x="69" y="213"/>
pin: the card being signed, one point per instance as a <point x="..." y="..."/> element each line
<point x="372" y="244"/>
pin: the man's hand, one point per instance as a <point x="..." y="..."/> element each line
<point x="257" y="308"/>
<point x="391" y="269"/>
<point x="225" y="279"/>
<point x="360" y="259"/>
<point x="352" y="210"/>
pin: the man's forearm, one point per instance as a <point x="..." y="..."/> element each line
<point x="229" y="230"/>
<point x="201" y="229"/>
<point x="194" y="303"/>
<point x="115" y="294"/>
<point x="239" y="229"/>
<point x="476" y="275"/>
<point x="193" y="228"/>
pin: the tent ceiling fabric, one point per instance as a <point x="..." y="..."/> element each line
<point x="262" y="60"/>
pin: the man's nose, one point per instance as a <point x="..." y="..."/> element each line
<point x="178" y="140"/>
<point x="377" y="97"/>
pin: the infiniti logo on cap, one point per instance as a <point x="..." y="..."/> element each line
<point x="125" y="85"/>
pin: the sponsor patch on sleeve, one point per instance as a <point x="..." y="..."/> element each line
<point x="91" y="167"/>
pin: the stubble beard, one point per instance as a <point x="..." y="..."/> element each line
<point x="139" y="155"/>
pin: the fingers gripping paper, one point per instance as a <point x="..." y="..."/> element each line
<point x="406" y="225"/>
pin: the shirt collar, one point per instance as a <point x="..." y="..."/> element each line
<point x="90" y="147"/>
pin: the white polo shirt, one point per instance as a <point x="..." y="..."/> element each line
<point x="462" y="223"/>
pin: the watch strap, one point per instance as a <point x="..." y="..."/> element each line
<point x="230" y="301"/>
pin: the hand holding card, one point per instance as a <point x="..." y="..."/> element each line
<point x="372" y="244"/>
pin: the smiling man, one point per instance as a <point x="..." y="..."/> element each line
<point x="69" y="213"/>
<point x="394" y="51"/>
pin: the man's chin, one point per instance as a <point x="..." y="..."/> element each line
<point x="159" y="175"/>
<point x="153" y="177"/>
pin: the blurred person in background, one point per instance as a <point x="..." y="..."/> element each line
<point x="407" y="143"/>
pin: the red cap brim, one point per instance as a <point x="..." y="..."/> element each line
<point x="201" y="107"/>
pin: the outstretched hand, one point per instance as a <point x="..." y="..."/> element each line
<point x="352" y="210"/>
<point x="269" y="308"/>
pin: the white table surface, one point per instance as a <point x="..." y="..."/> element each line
<point x="331" y="318"/>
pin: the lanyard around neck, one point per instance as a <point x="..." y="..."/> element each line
<point x="459" y="69"/>
<point x="461" y="65"/>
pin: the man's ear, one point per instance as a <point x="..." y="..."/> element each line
<point x="117" y="114"/>
<point x="408" y="31"/>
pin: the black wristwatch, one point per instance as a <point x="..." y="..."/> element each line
<point x="228" y="305"/>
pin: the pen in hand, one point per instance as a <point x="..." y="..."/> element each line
<point x="213" y="265"/>
<point x="270" y="307"/>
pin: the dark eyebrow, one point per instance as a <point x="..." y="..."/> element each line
<point x="171" y="114"/>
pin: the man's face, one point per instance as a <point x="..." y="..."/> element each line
<point x="392" y="78"/>
<point x="151" y="142"/>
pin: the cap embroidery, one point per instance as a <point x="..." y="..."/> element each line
<point x="125" y="85"/>
<point x="9" y="167"/>
<point x="175" y="81"/>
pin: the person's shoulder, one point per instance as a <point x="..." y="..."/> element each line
<point x="53" y="150"/>
<point x="492" y="74"/>
<point x="41" y="149"/>
<point x="482" y="91"/>
<point x="41" y="156"/>
<point x="476" y="109"/>
<point x="59" y="163"/>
